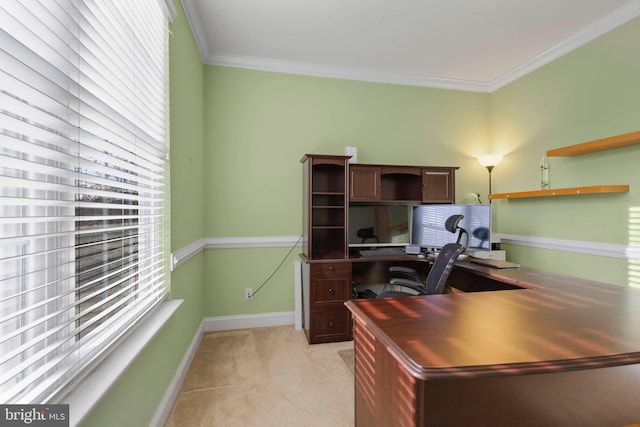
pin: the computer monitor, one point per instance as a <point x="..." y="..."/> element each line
<point x="379" y="225"/>
<point x="428" y="231"/>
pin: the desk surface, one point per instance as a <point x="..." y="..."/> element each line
<point x="555" y="323"/>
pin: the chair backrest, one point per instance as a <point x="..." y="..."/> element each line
<point x="441" y="268"/>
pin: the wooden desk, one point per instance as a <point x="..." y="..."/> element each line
<point x="559" y="351"/>
<point x="327" y="284"/>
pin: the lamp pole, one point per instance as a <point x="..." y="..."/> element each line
<point x="489" y="161"/>
<point x="489" y="168"/>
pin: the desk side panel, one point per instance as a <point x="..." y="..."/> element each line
<point x="385" y="394"/>
<point x="306" y="315"/>
<point x="590" y="397"/>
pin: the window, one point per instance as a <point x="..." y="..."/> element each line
<point x="84" y="184"/>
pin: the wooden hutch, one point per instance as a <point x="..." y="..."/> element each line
<point x="330" y="185"/>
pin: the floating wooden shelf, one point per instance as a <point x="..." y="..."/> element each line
<point x="594" y="189"/>
<point x="604" y="144"/>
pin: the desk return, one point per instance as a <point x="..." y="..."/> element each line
<point x="548" y="350"/>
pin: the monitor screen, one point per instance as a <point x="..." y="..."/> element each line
<point x="379" y="225"/>
<point x="427" y="226"/>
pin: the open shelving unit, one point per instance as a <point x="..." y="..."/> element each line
<point x="325" y="206"/>
<point x="610" y="143"/>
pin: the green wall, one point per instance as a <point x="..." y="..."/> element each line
<point x="237" y="137"/>
<point x="258" y="125"/>
<point x="590" y="93"/>
<point x="134" y="399"/>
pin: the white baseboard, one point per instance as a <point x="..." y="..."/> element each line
<point x="96" y="384"/>
<point x="225" y="323"/>
<point x="212" y="324"/>
<point x="166" y="404"/>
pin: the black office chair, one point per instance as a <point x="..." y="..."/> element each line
<point x="436" y="279"/>
<point x="451" y="225"/>
<point x="366" y="234"/>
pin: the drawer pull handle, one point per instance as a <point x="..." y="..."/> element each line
<point x="331" y="290"/>
<point x="331" y="268"/>
<point x="330" y="323"/>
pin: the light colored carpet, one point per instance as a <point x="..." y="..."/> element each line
<point x="348" y="358"/>
<point x="266" y="377"/>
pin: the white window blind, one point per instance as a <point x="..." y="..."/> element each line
<point x="84" y="179"/>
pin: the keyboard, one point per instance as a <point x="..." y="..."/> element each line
<point x="382" y="252"/>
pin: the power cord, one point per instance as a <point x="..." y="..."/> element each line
<point x="278" y="267"/>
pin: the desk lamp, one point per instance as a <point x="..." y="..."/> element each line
<point x="489" y="161"/>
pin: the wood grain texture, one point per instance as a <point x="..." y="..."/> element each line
<point x="573" y="191"/>
<point x="557" y="351"/>
<point x="610" y="143"/>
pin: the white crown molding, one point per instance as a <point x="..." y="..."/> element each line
<point x="317" y="70"/>
<point x="193" y="18"/>
<point x="598" y="28"/>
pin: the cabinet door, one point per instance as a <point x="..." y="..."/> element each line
<point x="364" y="184"/>
<point x="438" y="185"/>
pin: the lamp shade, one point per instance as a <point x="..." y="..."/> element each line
<point x="490" y="159"/>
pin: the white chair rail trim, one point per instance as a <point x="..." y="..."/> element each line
<point x="181" y="255"/>
<point x="611" y="250"/>
<point x="251" y="242"/>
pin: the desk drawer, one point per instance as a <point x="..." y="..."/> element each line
<point x="329" y="286"/>
<point x="331" y="270"/>
<point x="331" y="290"/>
<point x="331" y="326"/>
<point x="330" y="283"/>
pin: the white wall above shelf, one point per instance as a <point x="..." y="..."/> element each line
<point x="594" y="189"/>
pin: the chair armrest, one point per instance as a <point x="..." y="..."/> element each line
<point x="411" y="284"/>
<point x="409" y="272"/>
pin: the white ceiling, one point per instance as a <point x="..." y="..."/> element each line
<point x="477" y="45"/>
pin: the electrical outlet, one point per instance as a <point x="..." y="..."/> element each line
<point x="248" y="294"/>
